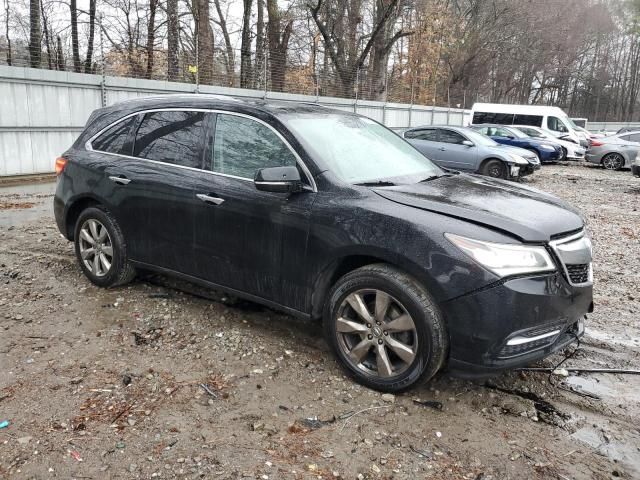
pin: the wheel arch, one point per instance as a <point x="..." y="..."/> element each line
<point x="349" y="261"/>
<point x="73" y="211"/>
<point x="488" y="159"/>
<point x="616" y="152"/>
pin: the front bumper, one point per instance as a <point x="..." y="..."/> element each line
<point x="550" y="156"/>
<point x="514" y="323"/>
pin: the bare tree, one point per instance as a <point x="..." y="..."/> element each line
<point x="278" y="37"/>
<point x="151" y="32"/>
<point x="245" y="46"/>
<point x="6" y="25"/>
<point x="229" y="55"/>
<point x="75" y="48"/>
<point x="173" y="40"/>
<point x="35" y="38"/>
<point x="92" y="26"/>
<point x="204" y="41"/>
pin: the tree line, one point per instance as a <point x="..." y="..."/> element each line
<point x="581" y="55"/>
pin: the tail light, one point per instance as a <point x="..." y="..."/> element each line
<point x="61" y="162"/>
<point x="595" y="143"/>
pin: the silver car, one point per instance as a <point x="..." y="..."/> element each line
<point x="460" y="148"/>
<point x="616" y="151"/>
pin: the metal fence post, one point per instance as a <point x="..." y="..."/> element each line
<point x="411" y="101"/>
<point x="103" y="79"/>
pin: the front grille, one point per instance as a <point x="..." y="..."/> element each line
<point x="578" y="273"/>
<point x="513" y="350"/>
<point x="574" y="253"/>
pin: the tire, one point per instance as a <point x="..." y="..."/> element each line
<point x="564" y="154"/>
<point x="106" y="265"/>
<point x="495" y="169"/>
<point x="411" y="324"/>
<point x="613" y="161"/>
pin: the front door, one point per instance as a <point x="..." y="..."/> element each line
<point x="454" y="153"/>
<point x="249" y="240"/>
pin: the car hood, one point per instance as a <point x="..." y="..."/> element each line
<point x="523" y="212"/>
<point x="523" y="152"/>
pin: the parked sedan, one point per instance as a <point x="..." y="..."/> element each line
<point x="461" y="148"/>
<point x="616" y="151"/>
<point x="546" y="151"/>
<point x="570" y="149"/>
<point x="329" y="216"/>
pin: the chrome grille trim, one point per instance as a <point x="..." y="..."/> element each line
<point x="574" y="250"/>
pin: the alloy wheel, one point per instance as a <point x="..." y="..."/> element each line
<point x="376" y="333"/>
<point x="96" y="249"/>
<point x="613" y="161"/>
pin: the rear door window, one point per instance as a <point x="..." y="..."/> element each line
<point x="429" y="134"/>
<point x="449" y="136"/>
<point x="174" y="137"/>
<point x="242" y="146"/>
<point x="116" y="138"/>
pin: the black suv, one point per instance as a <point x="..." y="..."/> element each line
<point x="328" y="215"/>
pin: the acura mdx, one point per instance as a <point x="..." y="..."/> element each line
<point x="328" y="215"/>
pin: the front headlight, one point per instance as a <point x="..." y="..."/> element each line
<point x="518" y="159"/>
<point x="505" y="259"/>
<point x="548" y="148"/>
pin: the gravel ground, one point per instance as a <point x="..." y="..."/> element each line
<point x="158" y="379"/>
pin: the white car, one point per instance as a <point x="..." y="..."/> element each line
<point x="570" y="149"/>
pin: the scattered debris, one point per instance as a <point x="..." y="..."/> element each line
<point x="75" y="454"/>
<point x="422" y="453"/>
<point x="388" y="398"/>
<point x="206" y="388"/>
<point x="315" y="423"/>
<point x="429" y="403"/>
<point x="4" y="424"/>
<point x="126" y="379"/>
<point x="623" y="371"/>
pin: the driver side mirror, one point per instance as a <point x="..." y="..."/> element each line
<point x="278" y="180"/>
<point x="468" y="143"/>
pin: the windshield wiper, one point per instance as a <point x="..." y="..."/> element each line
<point x="449" y="173"/>
<point x="376" y="183"/>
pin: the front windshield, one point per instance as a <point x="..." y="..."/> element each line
<point x="359" y="150"/>
<point x="479" y="139"/>
<point x="569" y="121"/>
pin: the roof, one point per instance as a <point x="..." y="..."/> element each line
<point x="522" y="109"/>
<point x="205" y="100"/>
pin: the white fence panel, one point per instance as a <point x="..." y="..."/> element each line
<point x="43" y="111"/>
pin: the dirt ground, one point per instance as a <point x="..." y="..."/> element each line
<point x="156" y="379"/>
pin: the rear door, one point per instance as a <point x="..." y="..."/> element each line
<point x="453" y="153"/>
<point x="249" y="240"/>
<point x="425" y="140"/>
<point x="153" y="187"/>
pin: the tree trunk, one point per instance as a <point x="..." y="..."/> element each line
<point x="245" y="48"/>
<point x="260" y="59"/>
<point x="173" y="40"/>
<point x="278" y="45"/>
<point x="88" y="67"/>
<point x="59" y="55"/>
<point x="75" y="49"/>
<point x="35" y="38"/>
<point x="6" y="25"/>
<point x="205" y="42"/>
<point x="151" y="32"/>
<point x="45" y="29"/>
<point x="229" y="56"/>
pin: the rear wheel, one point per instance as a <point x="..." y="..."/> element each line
<point x="101" y="249"/>
<point x="385" y="328"/>
<point x="613" y="161"/>
<point x="564" y="154"/>
<point x="494" y="168"/>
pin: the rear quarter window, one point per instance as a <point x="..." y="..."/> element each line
<point x="115" y="139"/>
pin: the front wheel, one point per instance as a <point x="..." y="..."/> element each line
<point x="385" y="328"/>
<point x="100" y="248"/>
<point x="613" y="161"/>
<point x="495" y="169"/>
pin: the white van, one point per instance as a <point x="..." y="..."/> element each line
<point x="551" y="119"/>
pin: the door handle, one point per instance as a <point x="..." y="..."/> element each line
<point x="442" y="149"/>
<point x="209" y="199"/>
<point x="119" y="180"/>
